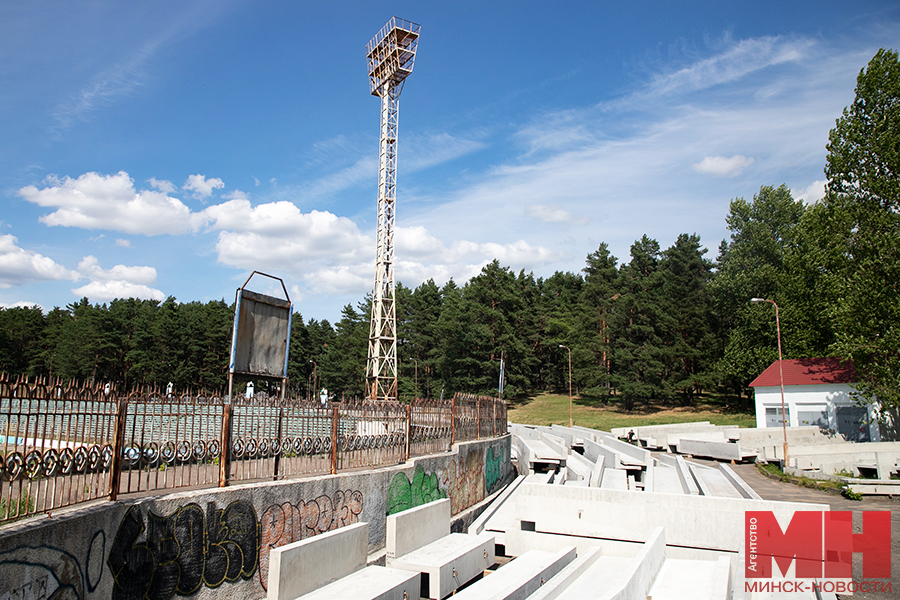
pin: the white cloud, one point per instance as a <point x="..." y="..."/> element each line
<point x="201" y="186"/>
<point x="738" y="60"/>
<point x="22" y="304"/>
<point x="723" y="166"/>
<point x="98" y="291"/>
<point x="118" y="282"/>
<point x="123" y="243"/>
<point x="815" y="191"/>
<point x="235" y="195"/>
<point x="89" y="267"/>
<point x="19" y="266"/>
<point x="554" y="214"/>
<point x="162" y="185"/>
<point x="110" y="202"/>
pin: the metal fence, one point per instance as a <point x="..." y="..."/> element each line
<point x="61" y="445"/>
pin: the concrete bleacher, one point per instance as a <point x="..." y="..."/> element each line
<point x="521" y="577"/>
<point x="419" y="540"/>
<point x="333" y="565"/>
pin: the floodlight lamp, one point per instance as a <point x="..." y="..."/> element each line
<point x="757" y="300"/>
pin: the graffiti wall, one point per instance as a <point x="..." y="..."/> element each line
<point x="215" y="543"/>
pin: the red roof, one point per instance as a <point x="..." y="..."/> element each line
<point x="808" y="371"/>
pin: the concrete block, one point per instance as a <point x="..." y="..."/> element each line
<point x="720" y="450"/>
<point x="301" y="567"/>
<point x="578" y="467"/>
<point x="450" y="562"/>
<point x="416" y="527"/>
<point x="371" y="583"/>
<point x="519" y="578"/>
<point x="571" y="573"/>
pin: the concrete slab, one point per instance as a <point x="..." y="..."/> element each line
<point x="614" y="479"/>
<point x="519" y="578"/>
<point x="450" y="562"/>
<point x="579" y="468"/>
<point x="301" y="567"/>
<point x="665" y="480"/>
<point x="417" y="527"/>
<point x="740" y="485"/>
<point x="568" y="575"/>
<point x="688" y="485"/>
<point x="371" y="583"/>
<point x="713" y="483"/>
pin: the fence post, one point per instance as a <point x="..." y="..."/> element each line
<point x="478" y="418"/>
<point x="115" y="473"/>
<point x="225" y="444"/>
<point x="334" y="437"/>
<point x="493" y="417"/>
<point x="452" y="422"/>
<point x="408" y="430"/>
<point x="278" y="439"/>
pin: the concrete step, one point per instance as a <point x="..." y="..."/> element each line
<point x="449" y="562"/>
<point x="371" y="583"/>
<point x="520" y="577"/>
<point x="680" y="579"/>
<point x="713" y="483"/>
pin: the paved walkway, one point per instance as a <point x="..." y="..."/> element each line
<point x="771" y="489"/>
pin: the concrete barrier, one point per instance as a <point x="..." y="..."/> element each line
<point x="301" y="567"/>
<point x="718" y="450"/>
<point x="478" y="524"/>
<point x="691" y="521"/>
<point x="416" y="527"/>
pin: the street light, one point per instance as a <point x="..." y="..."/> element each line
<point x="315" y="366"/>
<point x="780" y="374"/>
<point x="571" y="423"/>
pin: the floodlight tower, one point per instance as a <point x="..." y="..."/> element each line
<point x="391" y="54"/>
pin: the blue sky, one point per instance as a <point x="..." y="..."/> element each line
<point x="170" y="148"/>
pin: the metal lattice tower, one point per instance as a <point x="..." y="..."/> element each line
<point x="391" y="54"/>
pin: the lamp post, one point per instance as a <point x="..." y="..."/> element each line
<point x="571" y="423"/>
<point x="780" y="374"/>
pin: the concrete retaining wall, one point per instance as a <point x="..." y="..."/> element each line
<point x="215" y="543"/>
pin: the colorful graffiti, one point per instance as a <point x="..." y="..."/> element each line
<point x="404" y="494"/>
<point x="466" y="481"/>
<point x="285" y="523"/>
<point x="494" y="459"/>
<point x="182" y="551"/>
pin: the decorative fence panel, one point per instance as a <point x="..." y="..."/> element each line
<point x="60" y="446"/>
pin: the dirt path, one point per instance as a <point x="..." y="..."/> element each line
<point x="771" y="489"/>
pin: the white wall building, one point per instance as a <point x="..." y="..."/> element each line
<point x="817" y="391"/>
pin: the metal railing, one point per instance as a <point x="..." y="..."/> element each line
<point x="62" y="445"/>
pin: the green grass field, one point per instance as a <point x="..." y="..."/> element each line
<point x="547" y="409"/>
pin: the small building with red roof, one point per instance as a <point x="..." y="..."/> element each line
<point x="817" y="391"/>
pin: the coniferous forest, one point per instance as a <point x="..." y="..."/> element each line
<point x="662" y="324"/>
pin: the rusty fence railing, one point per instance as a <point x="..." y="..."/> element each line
<point x="62" y="445"/>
